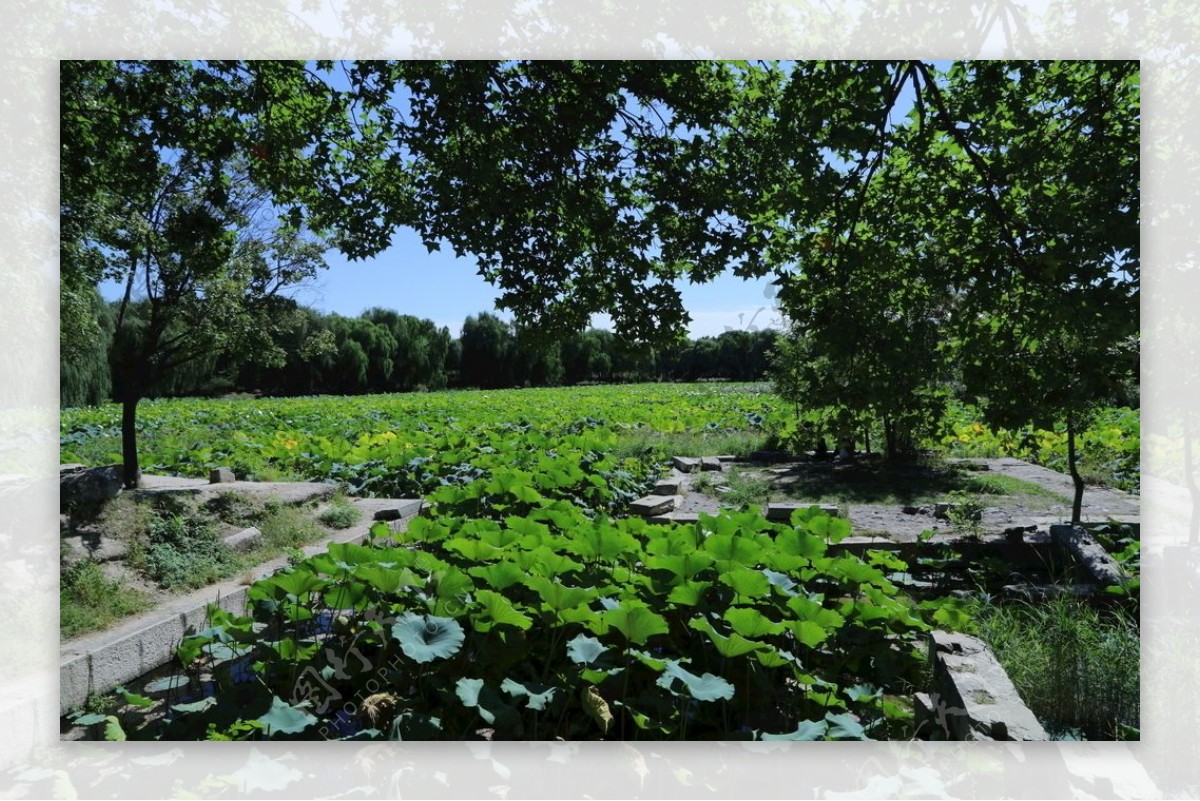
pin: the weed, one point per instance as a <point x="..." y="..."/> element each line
<point x="340" y="513"/>
<point x="1075" y="667"/>
<point x="184" y="552"/>
<point x="288" y="527"/>
<point x="235" y="508"/>
<point x="736" y="488"/>
<point x="91" y="601"/>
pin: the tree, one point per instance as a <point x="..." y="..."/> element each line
<point x="1010" y="194"/>
<point x="488" y="349"/>
<point x="157" y="194"/>
<point x="84" y="374"/>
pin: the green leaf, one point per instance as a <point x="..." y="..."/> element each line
<point x="90" y="719"/>
<point x="751" y="623"/>
<point x="166" y="684"/>
<point x="475" y="694"/>
<point x="845" y="727"/>
<point x="729" y="647"/>
<point x="682" y="566"/>
<point x="537" y="699"/>
<point x="133" y="699"/>
<point x="499" y="575"/>
<point x="584" y="650"/>
<point x="496" y="610"/>
<point x="731" y="549"/>
<point x="112" y="729"/>
<point x="810" y="633"/>
<point x="195" y="706"/>
<point x="745" y="582"/>
<point x="558" y="597"/>
<point x="806" y="731"/>
<point x="703" y="688"/>
<point x="283" y="718"/>
<point x="689" y="593"/>
<point x="635" y="621"/>
<point x="424" y="638"/>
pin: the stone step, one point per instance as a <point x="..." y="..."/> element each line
<point x="685" y="464"/>
<point x="654" y="505"/>
<point x="667" y="486"/>
<point x="712" y="463"/>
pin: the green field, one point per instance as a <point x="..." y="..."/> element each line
<point x="523" y="604"/>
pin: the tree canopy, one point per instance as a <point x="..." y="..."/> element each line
<point x="993" y="202"/>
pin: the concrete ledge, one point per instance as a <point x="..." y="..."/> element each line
<point x="973" y="696"/>
<point x="96" y="663"/>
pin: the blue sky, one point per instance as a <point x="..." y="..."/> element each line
<point x="446" y="289"/>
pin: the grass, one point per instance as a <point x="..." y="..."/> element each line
<point x="340" y="513"/>
<point x="735" y="488"/>
<point x="91" y="601"/>
<point x="285" y="528"/>
<point x="643" y="442"/>
<point x="183" y="553"/>
<point x="1075" y="667"/>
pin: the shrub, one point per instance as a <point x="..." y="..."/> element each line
<point x="340" y="514"/>
<point x="184" y="552"/>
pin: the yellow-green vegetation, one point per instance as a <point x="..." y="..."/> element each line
<point x="340" y="513"/>
<point x="91" y="601"/>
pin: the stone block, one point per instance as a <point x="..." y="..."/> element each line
<point x="90" y="486"/>
<point x="685" y="464"/>
<point x="654" y="505"/>
<point x="667" y="486"/>
<point x="221" y="475"/>
<point x="711" y="463"/>
<point x="1103" y="569"/>
<point x="727" y="457"/>
<point x="245" y="540"/>
<point x="782" y="512"/>
<point x="973" y="696"/>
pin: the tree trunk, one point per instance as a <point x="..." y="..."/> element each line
<point x="131" y="471"/>
<point x="1077" y="503"/>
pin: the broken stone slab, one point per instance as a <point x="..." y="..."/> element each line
<point x="73" y="467"/>
<point x="973" y="696"/>
<point x="782" y="512"/>
<point x="89" y="486"/>
<point x="245" y="540"/>
<point x="685" y="464"/>
<point x="221" y="475"/>
<point x="727" y="457"/>
<point x="667" y="486"/>
<point x="1103" y="569"/>
<point x="711" y="463"/>
<point x="653" y="505"/>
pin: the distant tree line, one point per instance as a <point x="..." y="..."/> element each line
<point x="385" y="351"/>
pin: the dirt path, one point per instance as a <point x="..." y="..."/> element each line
<point x="900" y="503"/>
